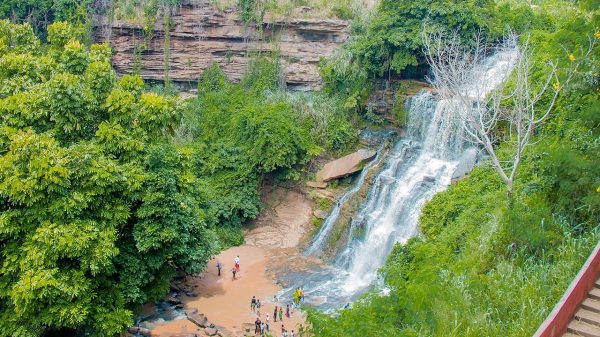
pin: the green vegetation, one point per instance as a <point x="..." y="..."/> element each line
<point x="98" y="208"/>
<point x="106" y="191"/>
<point x="482" y="267"/>
<point x="388" y="43"/>
<point x="339" y="9"/>
<point x="40" y="13"/>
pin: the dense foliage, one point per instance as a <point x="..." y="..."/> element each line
<point x="388" y="43"/>
<point x="243" y="137"/>
<point x="97" y="209"/>
<point x="482" y="267"/>
<point x="106" y="191"/>
<point x="40" y="13"/>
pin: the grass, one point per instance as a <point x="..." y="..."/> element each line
<point x="133" y="10"/>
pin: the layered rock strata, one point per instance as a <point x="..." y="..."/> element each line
<point x="202" y="35"/>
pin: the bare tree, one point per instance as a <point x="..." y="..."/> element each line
<point x="483" y="96"/>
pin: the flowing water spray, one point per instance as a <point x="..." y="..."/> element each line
<point x="322" y="235"/>
<point x="417" y="167"/>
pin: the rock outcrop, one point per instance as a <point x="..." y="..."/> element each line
<point x="202" y="35"/>
<point x="346" y="165"/>
<point x="466" y="163"/>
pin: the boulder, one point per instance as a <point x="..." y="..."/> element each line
<point x="191" y="294"/>
<point x="199" y="319"/>
<point x="316" y="184"/>
<point x="320" y="214"/>
<point x="210" y="331"/>
<point x="223" y="333"/>
<point x="346" y="165"/>
<point x="466" y="163"/>
<point x="247" y="327"/>
<point x="173" y="300"/>
<point x="138" y="330"/>
<point x="145" y="332"/>
<point x="171" y="314"/>
<point x="191" y="311"/>
<point x="174" y="287"/>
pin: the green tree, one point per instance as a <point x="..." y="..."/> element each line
<point x="97" y="209"/>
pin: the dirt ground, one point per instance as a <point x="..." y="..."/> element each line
<point x="271" y="242"/>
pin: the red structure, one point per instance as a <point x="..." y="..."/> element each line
<point x="558" y="321"/>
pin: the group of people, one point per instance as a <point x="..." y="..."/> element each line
<point x="278" y="311"/>
<point x="298" y="296"/>
<point x="285" y="333"/>
<point x="255" y="305"/>
<point x="260" y="327"/>
<point x="234" y="270"/>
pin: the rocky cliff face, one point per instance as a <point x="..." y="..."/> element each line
<point x="202" y="35"/>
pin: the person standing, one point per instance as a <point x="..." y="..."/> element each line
<point x="262" y="329"/>
<point x="292" y="334"/>
<point x="287" y="310"/>
<point x="281" y="314"/>
<point x="253" y="303"/>
<point x="236" y="261"/>
<point x="233" y="271"/>
<point x="267" y="322"/>
<point x="219" y="266"/>
<point x="257" y="326"/>
<point x="296" y="296"/>
<point x="275" y="314"/>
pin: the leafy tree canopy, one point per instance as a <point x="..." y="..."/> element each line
<point x="97" y="208"/>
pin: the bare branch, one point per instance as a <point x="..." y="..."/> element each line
<point x="486" y="95"/>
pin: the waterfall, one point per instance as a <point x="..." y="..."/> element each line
<point x="417" y="167"/>
<point x="320" y="238"/>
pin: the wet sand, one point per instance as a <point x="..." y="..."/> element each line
<point x="226" y="302"/>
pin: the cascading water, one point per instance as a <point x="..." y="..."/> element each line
<point x="323" y="233"/>
<point x="418" y="167"/>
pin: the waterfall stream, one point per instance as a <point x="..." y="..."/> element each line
<point x="416" y="168"/>
<point x="333" y="216"/>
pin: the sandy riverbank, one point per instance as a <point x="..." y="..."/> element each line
<point x="273" y="238"/>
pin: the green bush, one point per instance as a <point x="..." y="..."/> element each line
<point x="340" y="134"/>
<point x="342" y="12"/>
<point x="212" y="79"/>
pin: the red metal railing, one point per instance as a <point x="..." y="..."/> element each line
<point x="558" y="320"/>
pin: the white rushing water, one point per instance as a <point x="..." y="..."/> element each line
<point x="417" y="167"/>
<point x="321" y="236"/>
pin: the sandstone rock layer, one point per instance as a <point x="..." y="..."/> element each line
<point x="344" y="166"/>
<point x="202" y="35"/>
